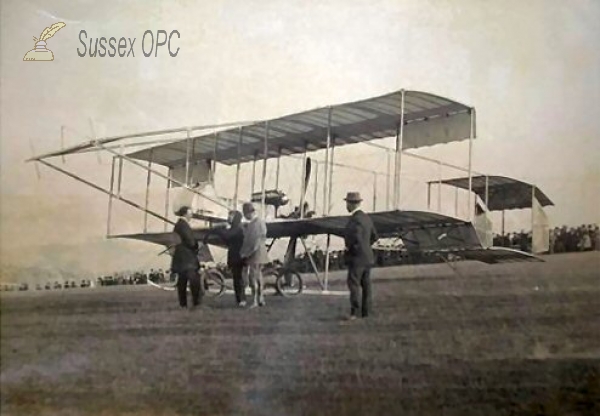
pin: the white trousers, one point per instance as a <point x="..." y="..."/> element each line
<point x="256" y="282"/>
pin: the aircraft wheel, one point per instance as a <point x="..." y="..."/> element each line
<point x="169" y="286"/>
<point x="289" y="283"/>
<point x="269" y="282"/>
<point x="213" y="283"/>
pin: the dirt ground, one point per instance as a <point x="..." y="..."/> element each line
<point x="516" y="339"/>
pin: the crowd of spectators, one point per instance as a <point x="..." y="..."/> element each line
<point x="582" y="238"/>
<point x="561" y="239"/>
<point x="66" y="284"/>
<point x="519" y="241"/>
<point x="118" y="278"/>
<point x="134" y="278"/>
<point x="383" y="257"/>
<point x="303" y="264"/>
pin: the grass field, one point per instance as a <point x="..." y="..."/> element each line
<point x="516" y="339"/>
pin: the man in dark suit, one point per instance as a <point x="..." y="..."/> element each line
<point x="234" y="238"/>
<point x="359" y="235"/>
<point x="185" y="259"/>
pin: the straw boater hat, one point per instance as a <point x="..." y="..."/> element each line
<point x="353" y="197"/>
<point x="247" y="207"/>
<point x="182" y="211"/>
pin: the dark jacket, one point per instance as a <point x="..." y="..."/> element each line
<point x="186" y="252"/>
<point x="234" y="238"/>
<point x="359" y="235"/>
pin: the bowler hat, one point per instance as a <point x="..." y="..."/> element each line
<point x="353" y="197"/>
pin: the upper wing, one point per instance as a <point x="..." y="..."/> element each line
<point x="430" y="120"/>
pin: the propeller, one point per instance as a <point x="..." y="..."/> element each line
<point x="93" y="130"/>
<point x="37" y="168"/>
<point x="290" y="252"/>
<point x="307" y="171"/>
<point x="307" y="175"/>
<point x="62" y="142"/>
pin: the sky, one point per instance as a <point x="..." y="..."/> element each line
<point x="531" y="69"/>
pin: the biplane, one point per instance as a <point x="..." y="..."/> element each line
<point x="187" y="160"/>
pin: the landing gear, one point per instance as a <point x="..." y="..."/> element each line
<point x="289" y="283"/>
<point x="212" y="280"/>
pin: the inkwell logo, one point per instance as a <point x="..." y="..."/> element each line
<point x="40" y="53"/>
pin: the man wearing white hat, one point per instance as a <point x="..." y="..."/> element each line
<point x="359" y="236"/>
<point x="254" y="252"/>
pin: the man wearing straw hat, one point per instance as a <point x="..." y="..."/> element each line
<point x="359" y="236"/>
<point x="254" y="252"/>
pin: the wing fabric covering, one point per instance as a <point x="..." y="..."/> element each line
<point x="496" y="255"/>
<point x="429" y="120"/>
<point x="426" y="229"/>
<point x="170" y="239"/>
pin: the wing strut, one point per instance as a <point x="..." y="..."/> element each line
<point x="312" y="262"/>
<point x="99" y="188"/>
<point x="160" y="174"/>
<point x="450" y="264"/>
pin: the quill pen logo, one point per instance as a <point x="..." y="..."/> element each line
<point x="40" y="52"/>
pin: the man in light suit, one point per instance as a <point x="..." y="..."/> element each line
<point x="359" y="236"/>
<point x="254" y="252"/>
